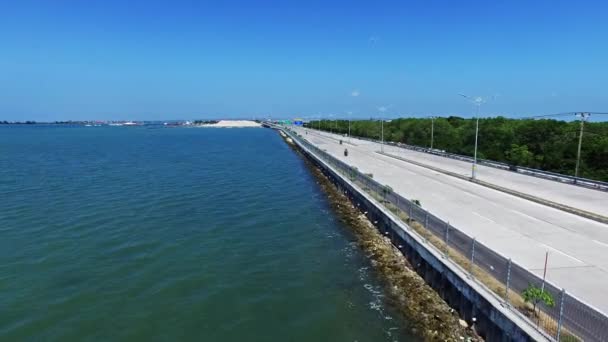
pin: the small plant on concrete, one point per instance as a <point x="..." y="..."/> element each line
<point x="370" y="175"/>
<point x="417" y="202"/>
<point x="537" y="295"/>
<point x="353" y="173"/>
<point x="386" y="190"/>
<point x="568" y="338"/>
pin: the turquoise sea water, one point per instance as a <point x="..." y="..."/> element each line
<point x="140" y="234"/>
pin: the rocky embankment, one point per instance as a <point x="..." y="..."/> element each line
<point x="427" y="313"/>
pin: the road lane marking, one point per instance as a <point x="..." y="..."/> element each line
<point x="562" y="253"/>
<point x="483" y="217"/>
<point x="600" y="243"/>
<point x="528" y="216"/>
<point x="472" y="195"/>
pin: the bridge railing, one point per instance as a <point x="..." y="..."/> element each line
<point x="567" y="319"/>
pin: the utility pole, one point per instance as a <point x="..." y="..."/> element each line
<point x="349" y="115"/>
<point x="382" y="110"/>
<point x="432" y="130"/>
<point x="583" y="117"/>
<point x="382" y="135"/>
<point x="349" y="129"/>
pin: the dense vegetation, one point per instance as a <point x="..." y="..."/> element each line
<point x="546" y="144"/>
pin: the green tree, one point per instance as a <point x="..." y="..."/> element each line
<point x="353" y="173"/>
<point x="546" y="144"/>
<point x="536" y="295"/>
<point x="519" y="155"/>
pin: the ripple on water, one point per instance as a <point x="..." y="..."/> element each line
<point x="175" y="234"/>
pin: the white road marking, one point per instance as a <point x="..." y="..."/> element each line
<point x="600" y="243"/>
<point x="562" y="253"/>
<point x="526" y="215"/>
<point x="471" y="195"/>
<point x="483" y="217"/>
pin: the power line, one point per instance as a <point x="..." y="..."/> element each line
<point x="549" y="115"/>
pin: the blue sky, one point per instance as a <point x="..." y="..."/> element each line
<point x="63" y="60"/>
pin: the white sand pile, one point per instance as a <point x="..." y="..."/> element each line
<point x="234" y="123"/>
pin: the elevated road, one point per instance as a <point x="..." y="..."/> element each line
<point x="585" y="199"/>
<point x="514" y="227"/>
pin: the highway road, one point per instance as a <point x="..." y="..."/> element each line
<point x="586" y="199"/>
<point x="512" y="226"/>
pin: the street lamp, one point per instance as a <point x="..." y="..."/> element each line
<point x="583" y="117"/>
<point x="382" y="110"/>
<point x="382" y="139"/>
<point x="330" y="130"/>
<point x="432" y="130"/>
<point x="349" y="115"/>
<point x="319" y="124"/>
<point x="477" y="101"/>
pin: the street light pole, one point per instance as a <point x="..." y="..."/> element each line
<point x="432" y="130"/>
<point x="583" y="116"/>
<point x="477" y="101"/>
<point x="382" y="135"/>
<point x="474" y="170"/>
<point x="348" y="129"/>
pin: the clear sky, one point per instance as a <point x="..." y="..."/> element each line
<point x="177" y="59"/>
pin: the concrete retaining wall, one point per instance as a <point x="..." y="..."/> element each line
<point x="488" y="320"/>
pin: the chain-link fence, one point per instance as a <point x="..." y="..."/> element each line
<point x="559" y="315"/>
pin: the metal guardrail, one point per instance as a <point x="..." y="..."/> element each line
<point x="558" y="177"/>
<point x="569" y="319"/>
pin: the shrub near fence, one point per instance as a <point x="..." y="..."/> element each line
<point x="570" y="319"/>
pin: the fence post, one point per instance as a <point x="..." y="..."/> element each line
<point x="426" y="219"/>
<point x="410" y="213"/>
<point x="472" y="257"/>
<point x="447" y="238"/>
<point x="561" y="313"/>
<point x="508" y="282"/>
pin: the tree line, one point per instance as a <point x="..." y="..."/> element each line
<point x="546" y="144"/>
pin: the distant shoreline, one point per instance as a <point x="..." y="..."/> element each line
<point x="196" y="123"/>
<point x="232" y="124"/>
